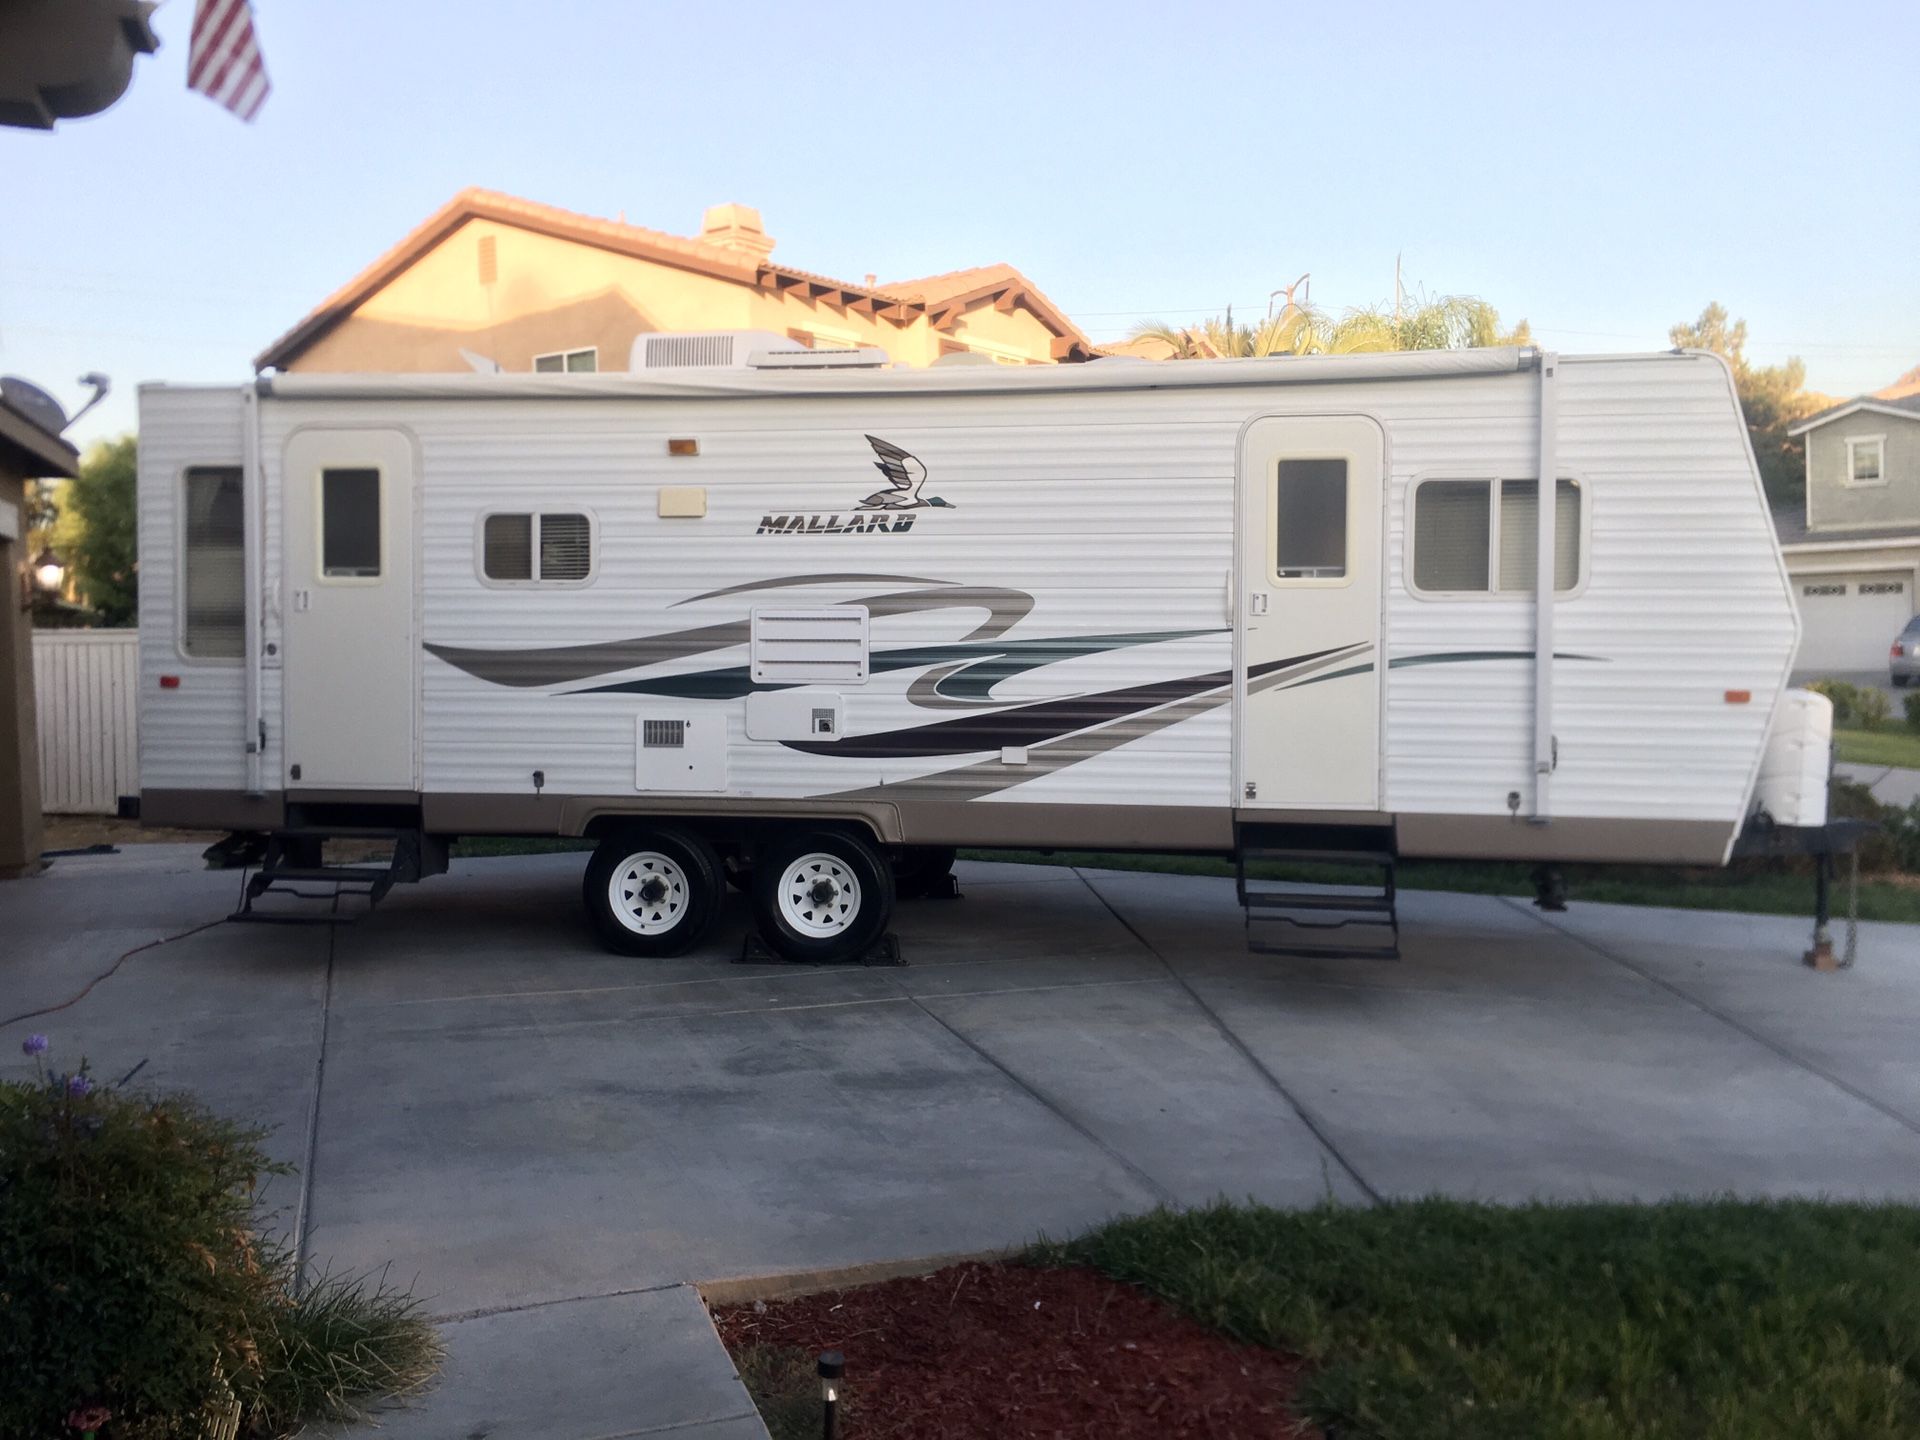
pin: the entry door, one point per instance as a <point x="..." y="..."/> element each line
<point x="347" y="611"/>
<point x="1311" y="496"/>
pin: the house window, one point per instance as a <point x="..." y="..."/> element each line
<point x="1480" y="537"/>
<point x="350" y="524"/>
<point x="1867" y="460"/>
<point x="1310" y="519"/>
<point x="553" y="549"/>
<point x="213" y="581"/>
<point x="572" y="362"/>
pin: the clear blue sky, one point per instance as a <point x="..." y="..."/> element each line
<point x="1602" y="170"/>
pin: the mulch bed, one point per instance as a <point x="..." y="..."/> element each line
<point x="1012" y="1352"/>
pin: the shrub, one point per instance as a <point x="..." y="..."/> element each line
<point x="1911" y="703"/>
<point x="1869" y="708"/>
<point x="132" y="1282"/>
<point x="1844" y="697"/>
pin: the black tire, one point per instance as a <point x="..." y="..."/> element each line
<point x="920" y="870"/>
<point x="682" y="871"/>
<point x="840" y="934"/>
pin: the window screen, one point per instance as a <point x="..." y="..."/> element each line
<point x="350" y="523"/>
<point x="566" y="547"/>
<point x="1310" y="519"/>
<point x="1452" y="534"/>
<point x="1519" y="538"/>
<point x="561" y="545"/>
<point x="213" y="566"/>
<point x="507" y="547"/>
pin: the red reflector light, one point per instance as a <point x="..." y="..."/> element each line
<point x="1739" y="697"/>
<point x="169" y="682"/>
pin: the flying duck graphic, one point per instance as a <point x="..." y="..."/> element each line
<point x="905" y="475"/>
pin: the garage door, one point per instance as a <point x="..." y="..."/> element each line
<point x="1848" y="621"/>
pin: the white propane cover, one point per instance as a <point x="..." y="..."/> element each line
<point x="1798" y="757"/>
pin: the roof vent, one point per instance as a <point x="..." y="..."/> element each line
<point x="726" y="349"/>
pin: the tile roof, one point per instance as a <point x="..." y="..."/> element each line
<point x="657" y="245"/>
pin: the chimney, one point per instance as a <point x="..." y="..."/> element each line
<point x="736" y="227"/>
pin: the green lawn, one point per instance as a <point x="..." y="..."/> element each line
<point x="1891" y="746"/>
<point x="1437" y="1320"/>
<point x="1760" y="890"/>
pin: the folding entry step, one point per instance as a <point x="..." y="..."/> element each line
<point x="293" y="867"/>
<point x="1293" y="918"/>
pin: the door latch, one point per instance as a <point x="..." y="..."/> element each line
<point x="1257" y="603"/>
<point x="302" y="601"/>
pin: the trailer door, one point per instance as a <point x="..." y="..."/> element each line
<point x="347" y="611"/>
<point x="1308" y="682"/>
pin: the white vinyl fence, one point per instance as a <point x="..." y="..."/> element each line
<point x="84" y="686"/>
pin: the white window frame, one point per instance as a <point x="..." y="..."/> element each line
<point x="380" y="494"/>
<point x="563" y="356"/>
<point x="1277" y="581"/>
<point x="1854" y="442"/>
<point x="1583" y="539"/>
<point x="180" y="565"/>
<point x="534" y="581"/>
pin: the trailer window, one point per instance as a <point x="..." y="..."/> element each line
<point x="1310" y="519"/>
<point x="1480" y="537"/>
<point x="350" y="524"/>
<point x="213" y="586"/>
<point x="554" y="548"/>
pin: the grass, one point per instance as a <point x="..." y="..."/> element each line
<point x="1758" y="890"/>
<point x="344" y="1342"/>
<point x="785" y="1386"/>
<point x="1878" y="747"/>
<point x="1440" y="1320"/>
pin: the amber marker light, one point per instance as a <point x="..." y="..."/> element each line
<point x="683" y="447"/>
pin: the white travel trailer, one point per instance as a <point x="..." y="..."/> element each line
<point x="815" y="622"/>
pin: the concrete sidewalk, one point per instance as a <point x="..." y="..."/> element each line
<point x="1890" y="784"/>
<point x="553" y="1141"/>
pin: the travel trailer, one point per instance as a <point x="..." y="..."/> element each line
<point x="808" y="622"/>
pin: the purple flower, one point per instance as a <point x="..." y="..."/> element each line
<point x="34" y="1045"/>
<point x="78" y="1085"/>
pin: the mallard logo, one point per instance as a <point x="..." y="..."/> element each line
<point x="886" y="510"/>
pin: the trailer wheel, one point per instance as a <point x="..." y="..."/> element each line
<point x="821" y="895"/>
<point x="921" y="870"/>
<point x="651" y="891"/>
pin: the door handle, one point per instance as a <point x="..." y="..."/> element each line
<point x="302" y="601"/>
<point x="1257" y="603"/>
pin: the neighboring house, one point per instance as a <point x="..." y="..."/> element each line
<point x="30" y="449"/>
<point x="489" y="278"/>
<point x="1853" y="550"/>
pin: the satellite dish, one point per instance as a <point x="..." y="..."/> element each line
<point x="31" y="401"/>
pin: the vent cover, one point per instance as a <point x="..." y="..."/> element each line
<point x="810" y="647"/>
<point x="663" y="734"/>
<point x="689" y="350"/>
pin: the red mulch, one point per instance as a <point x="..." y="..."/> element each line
<point x="1010" y="1352"/>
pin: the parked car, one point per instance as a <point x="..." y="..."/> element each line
<point x="1903" y="664"/>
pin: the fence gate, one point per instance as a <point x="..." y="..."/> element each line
<point x="84" y="684"/>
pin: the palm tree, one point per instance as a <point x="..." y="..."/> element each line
<point x="1450" y="322"/>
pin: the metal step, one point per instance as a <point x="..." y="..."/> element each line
<point x="1284" y="919"/>
<point x="289" y="865"/>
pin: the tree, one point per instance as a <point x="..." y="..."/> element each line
<point x="1448" y="322"/>
<point x="96" y="530"/>
<point x="1774" y="398"/>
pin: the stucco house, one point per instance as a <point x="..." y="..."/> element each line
<point x="1853" y="548"/>
<point x="492" y="278"/>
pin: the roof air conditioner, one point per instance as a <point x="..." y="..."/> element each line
<point x="723" y="349"/>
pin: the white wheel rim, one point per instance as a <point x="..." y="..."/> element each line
<point x="819" y="895"/>
<point x="649" y="892"/>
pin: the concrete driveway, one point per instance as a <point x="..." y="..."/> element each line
<point x="551" y="1142"/>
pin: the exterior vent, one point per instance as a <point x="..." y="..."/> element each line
<point x="810" y="647"/>
<point x="718" y="349"/>
<point x="663" y="734"/>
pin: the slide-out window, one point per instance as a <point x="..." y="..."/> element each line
<point x="552" y="548"/>
<point x="1479" y="537"/>
<point x="1310" y="519"/>
<point x="213" y="576"/>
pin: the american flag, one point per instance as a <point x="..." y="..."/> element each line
<point x="223" y="62"/>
